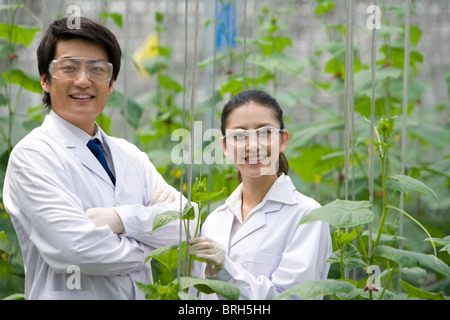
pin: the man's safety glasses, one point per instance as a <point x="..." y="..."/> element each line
<point x="241" y="138"/>
<point x="71" y="68"/>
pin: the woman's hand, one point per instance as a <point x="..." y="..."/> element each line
<point x="211" y="251"/>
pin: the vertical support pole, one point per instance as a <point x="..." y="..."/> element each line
<point x="125" y="71"/>
<point x="213" y="107"/>
<point x="404" y="117"/>
<point x="245" y="45"/>
<point x="182" y="141"/>
<point x="372" y="130"/>
<point x="192" y="133"/>
<point x="192" y="105"/>
<point x="349" y="69"/>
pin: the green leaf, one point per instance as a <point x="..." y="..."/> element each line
<point x="384" y="238"/>
<point x="349" y="256"/>
<point x="342" y="214"/>
<point x="383" y="73"/>
<point x="116" y="100"/>
<point x="19" y="34"/>
<point x="169" y="84"/>
<point x="429" y="134"/>
<point x="447" y="80"/>
<point x="155" y="64"/>
<point x="290" y="64"/>
<point x="441" y="242"/>
<point x="3" y="236"/>
<point x="208" y="286"/>
<point x="27" y="81"/>
<point x="343" y="238"/>
<point x="324" y="6"/>
<point x="104" y="122"/>
<point x="314" y="162"/>
<point x="6" y="49"/>
<point x="415" y="273"/>
<point x="168" y="255"/>
<point x="415" y="33"/>
<point x="397" y="56"/>
<point x="166" y="217"/>
<point x="205" y="196"/>
<point x="414" y="292"/>
<point x="158" y="291"/>
<point x="407" y="184"/>
<point x="317" y="288"/>
<point x="117" y="17"/>
<point x="16" y="296"/>
<point x="11" y="247"/>
<point x="305" y="134"/>
<point x="412" y="259"/>
<point x="3" y="101"/>
<point x="234" y="85"/>
<point x="29" y="125"/>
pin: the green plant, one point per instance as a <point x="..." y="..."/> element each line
<point x="316" y="149"/>
<point x="12" y="83"/>
<point x="173" y="256"/>
<point x="358" y="214"/>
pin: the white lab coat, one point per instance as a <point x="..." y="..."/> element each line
<point x="51" y="179"/>
<point x="269" y="252"/>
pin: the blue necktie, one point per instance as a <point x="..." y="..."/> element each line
<point x="95" y="147"/>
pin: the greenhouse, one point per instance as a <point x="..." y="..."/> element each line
<point x="224" y="149"/>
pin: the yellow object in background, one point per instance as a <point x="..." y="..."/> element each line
<point x="147" y="50"/>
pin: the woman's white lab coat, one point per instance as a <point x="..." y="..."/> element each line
<point x="270" y="252"/>
<point x="51" y="179"/>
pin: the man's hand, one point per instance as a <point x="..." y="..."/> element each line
<point x="210" y="250"/>
<point x="106" y="216"/>
<point x="161" y="195"/>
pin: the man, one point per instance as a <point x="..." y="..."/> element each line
<point x="76" y="196"/>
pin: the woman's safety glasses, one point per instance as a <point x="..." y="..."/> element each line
<point x="241" y="138"/>
<point x="71" y="68"/>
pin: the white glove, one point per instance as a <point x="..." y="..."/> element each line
<point x="106" y="216"/>
<point x="161" y="195"/>
<point x="212" y="251"/>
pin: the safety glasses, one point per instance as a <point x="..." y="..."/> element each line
<point x="241" y="138"/>
<point x="71" y="68"/>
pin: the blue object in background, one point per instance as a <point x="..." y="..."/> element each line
<point x="226" y="25"/>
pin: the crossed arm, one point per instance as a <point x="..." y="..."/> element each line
<point x="108" y="216"/>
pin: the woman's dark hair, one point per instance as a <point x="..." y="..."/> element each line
<point x="263" y="99"/>
<point x="88" y="30"/>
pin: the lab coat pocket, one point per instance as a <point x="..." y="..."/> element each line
<point x="260" y="263"/>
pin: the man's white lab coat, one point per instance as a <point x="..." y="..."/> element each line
<point x="269" y="252"/>
<point x="51" y="179"/>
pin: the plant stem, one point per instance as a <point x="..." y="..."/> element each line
<point x="419" y="224"/>
<point x="383" y="182"/>
<point x="361" y="244"/>
<point x="388" y="281"/>
<point x="11" y="110"/>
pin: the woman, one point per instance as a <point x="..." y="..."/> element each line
<point x="254" y="240"/>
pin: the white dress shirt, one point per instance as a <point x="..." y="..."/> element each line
<point x="269" y="252"/>
<point x="51" y="179"/>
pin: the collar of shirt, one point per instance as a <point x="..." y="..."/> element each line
<point x="79" y="133"/>
<point x="282" y="191"/>
<point x="76" y="137"/>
